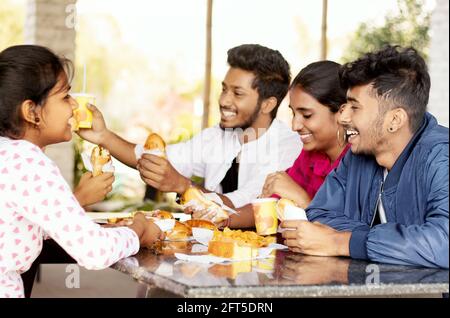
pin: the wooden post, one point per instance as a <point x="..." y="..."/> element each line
<point x="324" y="48"/>
<point x="207" y="90"/>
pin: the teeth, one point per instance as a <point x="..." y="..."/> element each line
<point x="228" y="113"/>
<point x="352" y="132"/>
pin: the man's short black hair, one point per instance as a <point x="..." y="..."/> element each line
<point x="272" y="74"/>
<point x="399" y="76"/>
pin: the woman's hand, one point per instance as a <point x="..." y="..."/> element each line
<point x="147" y="231"/>
<point x="280" y="183"/>
<point x="98" y="133"/>
<point x="91" y="189"/>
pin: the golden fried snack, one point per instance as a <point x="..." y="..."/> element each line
<point x="205" y="224"/>
<point x="195" y="194"/>
<point x="155" y="144"/>
<point x="237" y="244"/>
<point x="161" y="214"/>
<point x="99" y="157"/>
<point x="180" y="231"/>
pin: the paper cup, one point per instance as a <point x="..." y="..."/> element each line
<point x="82" y="114"/>
<point x="265" y="213"/>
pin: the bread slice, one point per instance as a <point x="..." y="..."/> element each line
<point x="236" y="244"/>
<point x="180" y="231"/>
<point x="155" y="142"/>
<point x="99" y="157"/>
<point x="195" y="194"/>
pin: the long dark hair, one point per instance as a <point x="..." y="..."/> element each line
<point x="321" y="81"/>
<point x="27" y="72"/>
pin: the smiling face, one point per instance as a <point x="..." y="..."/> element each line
<point x="56" y="113"/>
<point x="363" y="121"/>
<point x="314" y="122"/>
<point x="239" y="107"/>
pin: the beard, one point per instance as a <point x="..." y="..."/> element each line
<point x="246" y="122"/>
<point x="375" y="138"/>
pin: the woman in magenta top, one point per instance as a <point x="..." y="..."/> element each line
<point x="315" y="99"/>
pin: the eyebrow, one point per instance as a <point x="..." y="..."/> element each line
<point x="352" y="99"/>
<point x="233" y="86"/>
<point x="300" y="108"/>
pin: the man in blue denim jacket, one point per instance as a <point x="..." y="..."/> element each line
<point x="388" y="199"/>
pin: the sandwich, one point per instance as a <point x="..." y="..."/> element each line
<point x="195" y="197"/>
<point x="99" y="157"/>
<point x="179" y="232"/>
<point x="155" y="145"/>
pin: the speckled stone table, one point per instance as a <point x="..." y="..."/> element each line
<point x="285" y="275"/>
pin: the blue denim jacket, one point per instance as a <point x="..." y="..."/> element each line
<point x="414" y="197"/>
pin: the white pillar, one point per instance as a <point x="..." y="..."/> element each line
<point x="47" y="24"/>
<point x="438" y="64"/>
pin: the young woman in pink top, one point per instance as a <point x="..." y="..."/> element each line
<point x="315" y="99"/>
<point x="35" y="109"/>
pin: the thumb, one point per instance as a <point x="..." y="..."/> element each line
<point x="86" y="176"/>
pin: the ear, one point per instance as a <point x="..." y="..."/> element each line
<point x="399" y="119"/>
<point x="30" y="113"/>
<point x="268" y="105"/>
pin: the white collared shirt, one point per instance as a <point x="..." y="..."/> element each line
<point x="210" y="154"/>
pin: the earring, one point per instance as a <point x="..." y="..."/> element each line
<point x="341" y="141"/>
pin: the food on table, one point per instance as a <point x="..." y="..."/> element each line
<point x="237" y="244"/>
<point x="180" y="231"/>
<point x="196" y="198"/>
<point x="205" y="224"/>
<point x="99" y="157"/>
<point x="161" y="214"/>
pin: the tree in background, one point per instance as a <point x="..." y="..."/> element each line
<point x="11" y="24"/>
<point x="408" y="28"/>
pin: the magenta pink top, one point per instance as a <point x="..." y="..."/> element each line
<point x="311" y="168"/>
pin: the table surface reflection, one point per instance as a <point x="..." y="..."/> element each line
<point x="287" y="274"/>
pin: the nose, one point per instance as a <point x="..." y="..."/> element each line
<point x="297" y="123"/>
<point x="224" y="99"/>
<point x="344" y="115"/>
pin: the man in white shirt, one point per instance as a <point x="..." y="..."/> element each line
<point x="235" y="156"/>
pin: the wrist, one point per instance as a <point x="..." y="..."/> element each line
<point x="183" y="185"/>
<point x="105" y="135"/>
<point x="342" y="243"/>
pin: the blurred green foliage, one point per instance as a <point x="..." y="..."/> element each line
<point x="410" y="27"/>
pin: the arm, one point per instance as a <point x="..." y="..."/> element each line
<point x="421" y="245"/>
<point x="99" y="134"/>
<point x="328" y="205"/>
<point x="51" y="205"/>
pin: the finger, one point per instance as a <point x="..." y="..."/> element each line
<point x="294" y="224"/>
<point x="108" y="189"/>
<point x="157" y="160"/>
<point x="289" y="234"/>
<point x="151" y="183"/>
<point x="291" y="243"/>
<point x="151" y="176"/>
<point x="146" y="165"/>
<point x="94" y="110"/>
